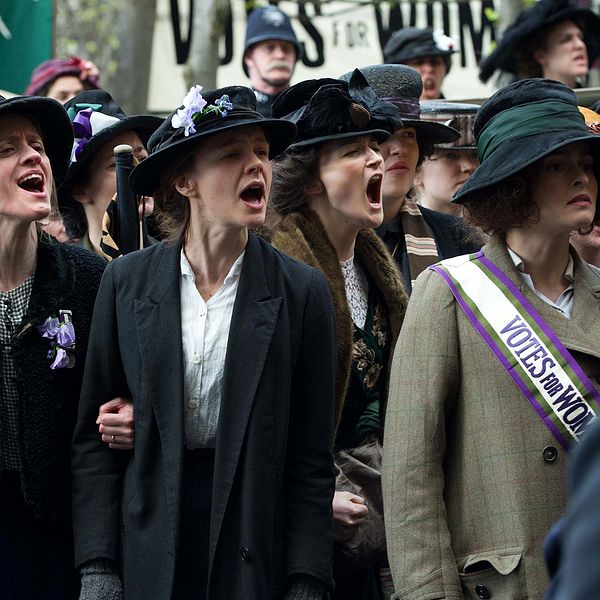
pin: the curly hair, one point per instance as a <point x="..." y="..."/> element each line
<point x="509" y="204"/>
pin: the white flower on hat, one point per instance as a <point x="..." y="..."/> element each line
<point x="442" y="41"/>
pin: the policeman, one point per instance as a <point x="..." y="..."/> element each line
<point x="270" y="54"/>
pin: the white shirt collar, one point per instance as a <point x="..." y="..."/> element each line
<point x="520" y="265"/>
<point x="234" y="272"/>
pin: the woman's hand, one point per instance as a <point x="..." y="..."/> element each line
<point x="115" y="423"/>
<point x="349" y="513"/>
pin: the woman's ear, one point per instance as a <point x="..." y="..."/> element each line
<point x="316" y="188"/>
<point x="540" y="57"/>
<point x="184" y="186"/>
<point x="80" y="193"/>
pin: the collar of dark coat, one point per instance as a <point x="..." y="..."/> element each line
<point x="53" y="282"/>
<point x="582" y="330"/>
<point x="302" y="235"/>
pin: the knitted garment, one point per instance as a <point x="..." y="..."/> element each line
<point x="305" y="587"/>
<point x="100" y="581"/>
<point x="66" y="278"/>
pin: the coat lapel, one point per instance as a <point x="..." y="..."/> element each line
<point x="253" y="323"/>
<point x="158" y="324"/>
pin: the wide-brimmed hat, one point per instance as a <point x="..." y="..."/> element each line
<point x="46" y="72"/>
<point x="202" y="115"/>
<point x="541" y="14"/>
<point x="458" y="115"/>
<point x="410" y="43"/>
<point x="520" y="124"/>
<point x="96" y="119"/>
<point x="269" y="23"/>
<point x="50" y="116"/>
<point x="401" y="86"/>
<point x="331" y="109"/>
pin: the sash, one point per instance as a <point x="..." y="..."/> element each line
<point x="530" y="352"/>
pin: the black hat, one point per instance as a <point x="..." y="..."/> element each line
<point x="97" y="119"/>
<point x="201" y="116"/>
<point x="520" y="124"/>
<point x="331" y="109"/>
<point x="401" y="86"/>
<point x="54" y="125"/>
<point x="541" y="14"/>
<point x="268" y="23"/>
<point x="409" y="43"/>
<point x="459" y="116"/>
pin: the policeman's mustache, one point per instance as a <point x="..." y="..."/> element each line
<point x="280" y="64"/>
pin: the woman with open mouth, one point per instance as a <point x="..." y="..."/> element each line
<point x="47" y="293"/>
<point x="494" y="376"/>
<point x="555" y="39"/>
<point x="227" y="349"/>
<point x="327" y="196"/>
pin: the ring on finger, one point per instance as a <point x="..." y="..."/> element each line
<point x="112" y="438"/>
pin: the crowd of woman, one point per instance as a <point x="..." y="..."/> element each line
<point x="252" y="407"/>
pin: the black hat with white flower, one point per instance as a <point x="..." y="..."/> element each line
<point x="410" y="43"/>
<point x="203" y="115"/>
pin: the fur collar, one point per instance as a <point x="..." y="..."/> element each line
<point x="302" y="236"/>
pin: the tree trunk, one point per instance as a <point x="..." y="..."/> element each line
<point x="210" y="18"/>
<point x="129" y="85"/>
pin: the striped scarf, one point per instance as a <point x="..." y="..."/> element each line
<point x="420" y="244"/>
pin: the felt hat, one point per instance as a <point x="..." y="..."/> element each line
<point x="201" y="116"/>
<point x="520" y="124"/>
<point x="53" y="122"/>
<point x="410" y="43"/>
<point x="269" y="23"/>
<point x="541" y="14"/>
<point x="331" y="109"/>
<point x="401" y="86"/>
<point x="459" y="116"/>
<point x="97" y="119"/>
<point x="46" y="72"/>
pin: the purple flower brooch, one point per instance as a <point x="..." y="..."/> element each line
<point x="61" y="334"/>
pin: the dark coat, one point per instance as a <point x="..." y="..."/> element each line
<point x="451" y="236"/>
<point x="572" y="547"/>
<point x="302" y="235"/>
<point x="274" y="477"/>
<point x="66" y="277"/>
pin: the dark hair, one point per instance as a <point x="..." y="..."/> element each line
<point x="509" y="204"/>
<point x="527" y="66"/>
<point x="294" y="172"/>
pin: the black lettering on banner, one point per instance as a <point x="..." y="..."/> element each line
<point x="314" y="35"/>
<point x="182" y="47"/>
<point x="228" y="40"/>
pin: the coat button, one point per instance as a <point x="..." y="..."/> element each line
<point x="245" y="554"/>
<point x="482" y="592"/>
<point x="550" y="454"/>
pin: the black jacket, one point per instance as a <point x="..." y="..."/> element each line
<point x="449" y="232"/>
<point x="274" y="477"/>
<point x="66" y="277"/>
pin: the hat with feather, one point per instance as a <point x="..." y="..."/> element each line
<point x="505" y="56"/>
<point x="330" y="109"/>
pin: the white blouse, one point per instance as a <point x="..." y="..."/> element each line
<point x="357" y="291"/>
<point x="204" y="336"/>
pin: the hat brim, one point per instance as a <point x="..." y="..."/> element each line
<point x="379" y="134"/>
<point x="429" y="132"/>
<point x="54" y="124"/>
<point x="513" y="156"/>
<point x="143" y="125"/>
<point x="503" y="57"/>
<point x="145" y="177"/>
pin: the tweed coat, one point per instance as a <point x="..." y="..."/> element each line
<point x="302" y="235"/>
<point x="274" y="475"/>
<point x="472" y="478"/>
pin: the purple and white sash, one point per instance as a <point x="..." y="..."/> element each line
<point x="537" y="361"/>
